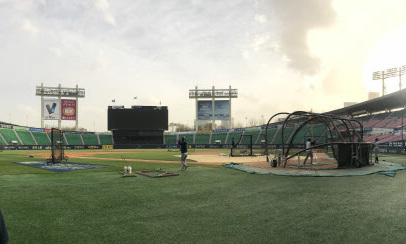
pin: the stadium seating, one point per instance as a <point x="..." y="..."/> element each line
<point x="271" y="134"/>
<point x="25" y="137"/>
<point x="236" y="135"/>
<point x="9" y="135"/>
<point x="90" y="139"/>
<point x="286" y="134"/>
<point x="171" y="139"/>
<point x="219" y="136"/>
<point x="202" y="138"/>
<point x="371" y="123"/>
<point x="41" y="138"/>
<point x="246" y="139"/>
<point x="300" y="135"/>
<point x="73" y="139"/>
<point x="105" y="139"/>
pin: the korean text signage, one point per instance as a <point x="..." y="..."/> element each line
<point x="51" y="109"/>
<point x="68" y="107"/>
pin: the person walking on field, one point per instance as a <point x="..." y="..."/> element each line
<point x="376" y="150"/>
<point x="309" y="151"/>
<point x="183" y="150"/>
<point x="3" y="230"/>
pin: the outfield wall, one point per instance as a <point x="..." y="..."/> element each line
<point x="389" y="147"/>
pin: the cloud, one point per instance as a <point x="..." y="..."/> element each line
<point x="104" y="7"/>
<point x="261" y="18"/>
<point x="297" y="18"/>
<point x="29" y="27"/>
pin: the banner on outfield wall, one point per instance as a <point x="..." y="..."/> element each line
<point x="51" y="109"/>
<point x="38" y="129"/>
<point x="68" y="107"/>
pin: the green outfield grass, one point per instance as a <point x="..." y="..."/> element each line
<point x="205" y="204"/>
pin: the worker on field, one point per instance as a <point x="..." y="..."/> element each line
<point x="376" y="150"/>
<point x="309" y="151"/>
<point x="3" y="230"/>
<point x="232" y="146"/>
<point x="183" y="150"/>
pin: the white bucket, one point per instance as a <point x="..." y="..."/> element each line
<point x="127" y="170"/>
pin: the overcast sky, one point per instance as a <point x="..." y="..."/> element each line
<point x="281" y="55"/>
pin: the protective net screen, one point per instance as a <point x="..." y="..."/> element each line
<point x="57" y="154"/>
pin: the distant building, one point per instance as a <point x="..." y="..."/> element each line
<point x="347" y="104"/>
<point x="373" y="95"/>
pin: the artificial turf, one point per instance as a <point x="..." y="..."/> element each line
<point x="205" y="204"/>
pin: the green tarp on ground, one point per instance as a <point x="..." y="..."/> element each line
<point x="385" y="168"/>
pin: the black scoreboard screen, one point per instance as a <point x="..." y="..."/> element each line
<point x="137" y="118"/>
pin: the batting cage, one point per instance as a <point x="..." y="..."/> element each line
<point x="57" y="151"/>
<point x="311" y="140"/>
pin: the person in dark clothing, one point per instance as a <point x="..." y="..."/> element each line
<point x="232" y="146"/>
<point x="183" y="150"/>
<point x="3" y="230"/>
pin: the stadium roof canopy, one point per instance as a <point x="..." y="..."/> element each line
<point x="391" y="101"/>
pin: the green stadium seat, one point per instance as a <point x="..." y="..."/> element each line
<point x="236" y="135"/>
<point x="105" y="139"/>
<point x="202" y="138"/>
<point x="25" y="137"/>
<point x="9" y="135"/>
<point x="170" y="139"/>
<point x="41" y="138"/>
<point x="219" y="136"/>
<point x="271" y="134"/>
<point x="90" y="139"/>
<point x="286" y="134"/>
<point x="73" y="139"/>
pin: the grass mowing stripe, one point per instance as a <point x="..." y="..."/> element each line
<point x="204" y="204"/>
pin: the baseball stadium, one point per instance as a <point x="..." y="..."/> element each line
<point x="202" y="121"/>
<point x="126" y="186"/>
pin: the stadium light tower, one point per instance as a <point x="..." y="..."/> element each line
<point x="392" y="72"/>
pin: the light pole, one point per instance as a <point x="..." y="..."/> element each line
<point x="392" y="72"/>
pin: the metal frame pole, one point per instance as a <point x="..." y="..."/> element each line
<point x="212" y="108"/>
<point x="230" y="107"/>
<point x="77" y="108"/>
<point x="42" y="106"/>
<point x="383" y="84"/>
<point x="197" y="112"/>
<point x="60" y="107"/>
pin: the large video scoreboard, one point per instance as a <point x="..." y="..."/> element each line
<point x="138" y="118"/>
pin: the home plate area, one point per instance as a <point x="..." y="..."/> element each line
<point x="65" y="167"/>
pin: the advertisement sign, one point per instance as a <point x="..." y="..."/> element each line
<point x="51" y="109"/>
<point x="204" y="110"/>
<point x="68" y="107"/>
<point x="221" y="110"/>
<point x="38" y="129"/>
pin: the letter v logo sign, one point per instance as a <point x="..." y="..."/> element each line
<point x="51" y="110"/>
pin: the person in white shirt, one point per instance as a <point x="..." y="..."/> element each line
<point x="309" y="151"/>
<point x="376" y="150"/>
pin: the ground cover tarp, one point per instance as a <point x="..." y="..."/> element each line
<point x="63" y="167"/>
<point x="385" y="168"/>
